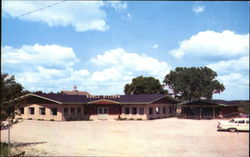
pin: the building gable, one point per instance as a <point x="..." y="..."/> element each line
<point x="33" y="98"/>
<point x="103" y="101"/>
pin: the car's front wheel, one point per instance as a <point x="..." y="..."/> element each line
<point x="232" y="129"/>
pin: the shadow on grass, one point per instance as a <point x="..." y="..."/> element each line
<point x="4" y="149"/>
<point x="20" y="144"/>
<point x="239" y="131"/>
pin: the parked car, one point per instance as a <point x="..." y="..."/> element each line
<point x="233" y="125"/>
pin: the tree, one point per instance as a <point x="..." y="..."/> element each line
<point x="10" y="90"/>
<point x="193" y="83"/>
<point x="144" y="85"/>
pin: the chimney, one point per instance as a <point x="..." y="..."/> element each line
<point x="75" y="89"/>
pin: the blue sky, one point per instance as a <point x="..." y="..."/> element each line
<point x="100" y="46"/>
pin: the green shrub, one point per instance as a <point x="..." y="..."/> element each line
<point x="138" y="119"/>
<point x="52" y="120"/>
<point x="29" y="118"/>
<point x="4" y="149"/>
<point x="41" y="119"/>
<point x="120" y="118"/>
<point x="131" y="118"/>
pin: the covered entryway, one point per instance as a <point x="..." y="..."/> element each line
<point x="102" y="113"/>
<point x="102" y="109"/>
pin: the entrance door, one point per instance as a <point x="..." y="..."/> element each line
<point x="102" y="113"/>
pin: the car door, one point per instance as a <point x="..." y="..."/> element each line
<point x="246" y="128"/>
<point x="241" y="125"/>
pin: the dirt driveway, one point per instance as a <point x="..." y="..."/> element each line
<point x="163" y="137"/>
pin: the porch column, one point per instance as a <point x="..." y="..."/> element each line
<point x="213" y="112"/>
<point x="200" y="112"/>
<point x="183" y="111"/>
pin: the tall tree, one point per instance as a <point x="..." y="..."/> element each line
<point x="193" y="83"/>
<point x="10" y="90"/>
<point x="144" y="85"/>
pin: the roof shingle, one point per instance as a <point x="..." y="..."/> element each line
<point x="122" y="98"/>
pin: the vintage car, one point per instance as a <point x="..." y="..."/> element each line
<point x="233" y="125"/>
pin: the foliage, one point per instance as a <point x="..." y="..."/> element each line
<point x="10" y="90"/>
<point x="194" y="83"/>
<point x="4" y="149"/>
<point x="244" y="108"/>
<point x="144" y="85"/>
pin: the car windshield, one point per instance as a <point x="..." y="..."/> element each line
<point x="231" y="121"/>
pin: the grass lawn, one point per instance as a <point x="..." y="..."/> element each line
<point x="4" y="149"/>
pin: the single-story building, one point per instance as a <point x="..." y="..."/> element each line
<point x="61" y="107"/>
<point x="204" y="109"/>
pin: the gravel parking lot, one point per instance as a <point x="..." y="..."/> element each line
<point x="163" y="137"/>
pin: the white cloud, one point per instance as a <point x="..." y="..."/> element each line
<point x="128" y="17"/>
<point x="39" y="55"/>
<point x="155" y="46"/>
<point x="120" y="66"/>
<point x="198" y="8"/>
<point x="49" y="79"/>
<point x="231" y="65"/>
<point x="51" y="68"/>
<point x="225" y="52"/>
<point x="43" y="67"/>
<point x="234" y="79"/>
<point x="117" y="5"/>
<point x="82" y="15"/>
<point x="237" y="86"/>
<point x="134" y="62"/>
<point x="214" y="44"/>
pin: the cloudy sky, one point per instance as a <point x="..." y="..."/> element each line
<point x="100" y="46"/>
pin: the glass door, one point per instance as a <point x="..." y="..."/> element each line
<point x="102" y="113"/>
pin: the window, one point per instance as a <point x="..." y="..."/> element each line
<point x="105" y="110"/>
<point x="66" y="111"/>
<point x="79" y="110"/>
<point x="150" y="111"/>
<point x="31" y="110"/>
<point x="247" y="121"/>
<point x="22" y="110"/>
<point x="164" y="110"/>
<point x="53" y="111"/>
<point x="141" y="110"/>
<point x="157" y="109"/>
<point x="231" y="121"/>
<point x="241" y="121"/>
<point x="134" y="110"/>
<point x="99" y="110"/>
<point x="170" y="109"/>
<point x="42" y="111"/>
<point x="127" y="110"/>
<point x="72" y="110"/>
